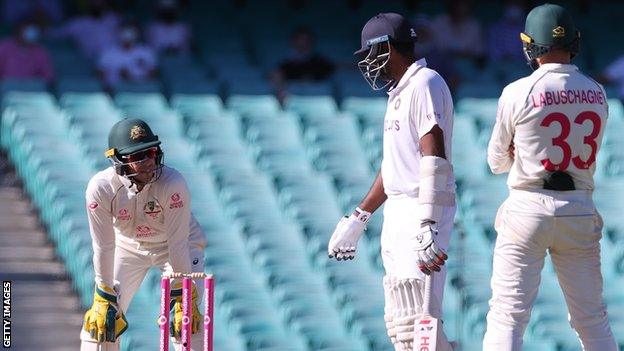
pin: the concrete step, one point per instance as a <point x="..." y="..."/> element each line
<point x="46" y="339"/>
<point x="26" y="254"/>
<point x="46" y="319"/>
<point x="50" y="303"/>
<point x="21" y="238"/>
<point x="32" y="271"/>
<point x="45" y="312"/>
<point x="29" y="288"/>
<point x="16" y="222"/>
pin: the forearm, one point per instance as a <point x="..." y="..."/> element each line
<point x="103" y="262"/>
<point x="376" y="196"/>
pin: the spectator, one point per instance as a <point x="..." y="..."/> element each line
<point x="168" y="34"/>
<point x="92" y="32"/>
<point x="504" y="42"/>
<point x="458" y="32"/>
<point x="41" y="11"/>
<point x="436" y="59"/>
<point x="304" y="63"/>
<point x="21" y="56"/>
<point x="614" y="74"/>
<point x="131" y="60"/>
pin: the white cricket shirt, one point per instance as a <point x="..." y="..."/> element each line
<point x="160" y="212"/>
<point x="420" y="100"/>
<point x="555" y="118"/>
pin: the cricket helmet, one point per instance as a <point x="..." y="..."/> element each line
<point x="549" y="27"/>
<point x="377" y="35"/>
<point x="131" y="140"/>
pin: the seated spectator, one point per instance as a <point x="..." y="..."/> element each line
<point x="436" y="59"/>
<point x="458" y="32"/>
<point x="21" y="56"/>
<point x="614" y="74"/>
<point x="168" y="34"/>
<point x="93" y="31"/>
<point x="131" y="60"/>
<point x="503" y="36"/>
<point x="304" y="63"/>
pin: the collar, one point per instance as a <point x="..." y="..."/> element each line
<point x="411" y="70"/>
<point x="131" y="186"/>
<point x="556" y="67"/>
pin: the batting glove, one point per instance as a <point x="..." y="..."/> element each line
<point x="104" y="321"/>
<point x="343" y="242"/>
<point x="430" y="256"/>
<point x="176" y="323"/>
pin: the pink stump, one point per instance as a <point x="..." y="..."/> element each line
<point x="163" y="319"/>
<point x="187" y="313"/>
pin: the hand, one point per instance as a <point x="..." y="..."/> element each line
<point x="104" y="321"/>
<point x="430" y="255"/>
<point x="176" y="323"/>
<point x="343" y="242"/>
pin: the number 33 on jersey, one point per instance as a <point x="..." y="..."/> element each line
<point x="555" y="118"/>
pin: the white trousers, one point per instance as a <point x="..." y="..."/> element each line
<point x="132" y="263"/>
<point x="566" y="225"/>
<point x="401" y="221"/>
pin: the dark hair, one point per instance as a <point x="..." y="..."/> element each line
<point x="405" y="48"/>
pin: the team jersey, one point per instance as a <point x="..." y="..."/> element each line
<point x="419" y="101"/>
<point x="159" y="213"/>
<point x="555" y="118"/>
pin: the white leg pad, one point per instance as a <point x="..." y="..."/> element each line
<point x="403" y="307"/>
<point x="93" y="346"/>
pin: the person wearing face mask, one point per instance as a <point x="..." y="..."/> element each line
<point x="458" y="32"/>
<point x="503" y="34"/>
<point x="130" y="61"/>
<point x="92" y="32"/>
<point x="21" y="56"/>
<point x="168" y="34"/>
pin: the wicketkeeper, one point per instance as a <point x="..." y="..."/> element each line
<point x="140" y="217"/>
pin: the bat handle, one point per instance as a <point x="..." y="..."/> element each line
<point x="428" y="293"/>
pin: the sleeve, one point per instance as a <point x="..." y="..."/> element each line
<point x="102" y="234"/>
<point x="502" y="136"/>
<point x="197" y="238"/>
<point x="177" y="225"/>
<point x="428" y="105"/>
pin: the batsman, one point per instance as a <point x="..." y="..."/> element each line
<point x="416" y="181"/>
<point x="139" y="213"/>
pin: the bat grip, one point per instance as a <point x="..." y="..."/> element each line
<point x="427" y="294"/>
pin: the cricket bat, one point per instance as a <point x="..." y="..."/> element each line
<point x="426" y="328"/>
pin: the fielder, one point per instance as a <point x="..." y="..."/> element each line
<point x="416" y="181"/>
<point x="139" y="215"/>
<point x="548" y="130"/>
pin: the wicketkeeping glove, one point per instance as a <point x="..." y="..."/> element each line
<point x="430" y="255"/>
<point x="176" y="323"/>
<point x="104" y="321"/>
<point x="343" y="242"/>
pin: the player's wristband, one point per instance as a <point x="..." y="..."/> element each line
<point x="361" y="215"/>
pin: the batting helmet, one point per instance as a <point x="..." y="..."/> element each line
<point x="377" y="34"/>
<point x="128" y="142"/>
<point x="549" y="27"/>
